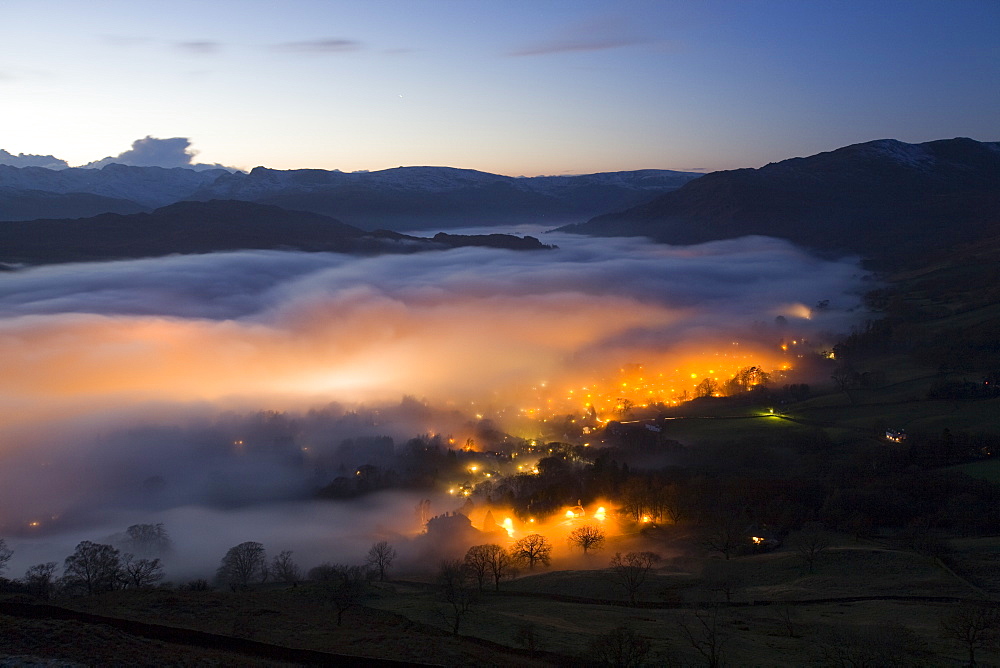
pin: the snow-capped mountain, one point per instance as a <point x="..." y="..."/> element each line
<point x="149" y="187"/>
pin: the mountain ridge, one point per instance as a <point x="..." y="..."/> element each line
<point x="397" y="198"/>
<point x="881" y="200"/>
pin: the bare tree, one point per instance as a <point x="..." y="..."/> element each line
<point x="622" y="648"/>
<point x="456" y="589"/>
<point x="140" y="573"/>
<point x="40" y="579"/>
<point x="631" y="571"/>
<point x="284" y="568"/>
<point x="845" y="377"/>
<point x="788" y="616"/>
<point x="5" y="554"/>
<point x="344" y="586"/>
<point x="724" y="577"/>
<point x="812" y="541"/>
<point x="587" y="538"/>
<point x="725" y="531"/>
<point x="533" y="549"/>
<point x="243" y="564"/>
<point x="705" y="634"/>
<point x="675" y="502"/>
<point x="976" y="626"/>
<point x="93" y="568"/>
<point x="502" y="565"/>
<point x="380" y="557"/>
<point x="477" y="562"/>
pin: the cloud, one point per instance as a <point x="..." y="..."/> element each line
<point x="125" y="41"/>
<point x="27" y="160"/>
<point x="596" y="35"/>
<point x="154" y="152"/>
<point x="202" y="47"/>
<point x="319" y="46"/>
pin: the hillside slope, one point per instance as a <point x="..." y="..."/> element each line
<point x="884" y="200"/>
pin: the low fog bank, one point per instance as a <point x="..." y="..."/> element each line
<point x="467" y="324"/>
<point x="145" y="391"/>
<point x="316" y="532"/>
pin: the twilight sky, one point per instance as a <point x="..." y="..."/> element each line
<point x="514" y="87"/>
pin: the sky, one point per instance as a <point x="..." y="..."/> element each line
<point x="514" y="87"/>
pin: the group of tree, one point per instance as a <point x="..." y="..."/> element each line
<point x="490" y="562"/>
<point x="95" y="568"/>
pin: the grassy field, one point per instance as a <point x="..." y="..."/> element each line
<point x="777" y="614"/>
<point x="988" y="469"/>
<point x="769" y="632"/>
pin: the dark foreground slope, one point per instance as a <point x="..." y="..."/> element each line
<point x="884" y="200"/>
<point x="206" y="227"/>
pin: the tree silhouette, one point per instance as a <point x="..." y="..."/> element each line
<point x="630" y="571"/>
<point x="5" y="554"/>
<point x="976" y="626"/>
<point x="284" y="568"/>
<point x="533" y="548"/>
<point x="140" y="573"/>
<point x="243" y="564"/>
<point x="621" y="647"/>
<point x="589" y="537"/>
<point x="40" y="579"/>
<point x="455" y="587"/>
<point x="147" y="540"/>
<point x="344" y="586"/>
<point x="810" y="542"/>
<point x="477" y="562"/>
<point x="93" y="568"/>
<point x="380" y="557"/>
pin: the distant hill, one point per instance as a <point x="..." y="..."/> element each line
<point x="217" y="225"/>
<point x="885" y="200"/>
<point x="19" y="204"/>
<point x="405" y="198"/>
<point x="408" y="198"/>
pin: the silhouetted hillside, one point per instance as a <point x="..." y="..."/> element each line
<point x="18" y="204"/>
<point x="205" y="227"/>
<point x="408" y="198"/>
<point x="885" y="200"/>
<point x="401" y="198"/>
